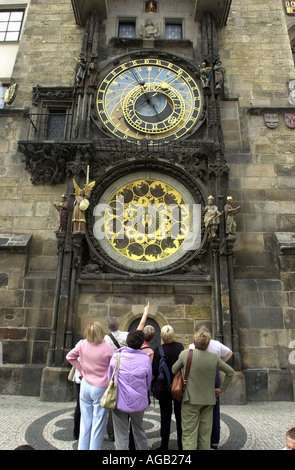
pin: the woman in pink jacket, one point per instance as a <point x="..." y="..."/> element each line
<point x="134" y="380"/>
<point x="92" y="358"/>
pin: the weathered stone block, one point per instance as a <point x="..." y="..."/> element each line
<point x="281" y="385"/>
<point x="172" y="311"/>
<point x="184" y="299"/>
<point x="10" y="379"/>
<point x="289" y="317"/>
<point x="266" y="358"/>
<point x="12" y="317"/>
<point x="55" y="386"/>
<point x="182" y="327"/>
<point x="13" y="333"/>
<point x="4" y="279"/>
<point x="257" y="385"/>
<point x="235" y="394"/>
<point x="260" y="317"/>
<point x="39" y="352"/>
<point x="249" y="337"/>
<point x="30" y="381"/>
<point x="272" y="299"/>
<point x="16" y="352"/>
<point x="196" y="311"/>
<point x="288" y="280"/>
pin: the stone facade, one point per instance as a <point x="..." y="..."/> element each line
<point x="254" y="48"/>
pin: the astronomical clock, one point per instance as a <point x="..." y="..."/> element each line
<point x="146" y="216"/>
<point x="149" y="98"/>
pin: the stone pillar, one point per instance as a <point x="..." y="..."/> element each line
<point x="217" y="319"/>
<point x="54" y="383"/>
<point x="76" y="263"/>
<point x="61" y="244"/>
<point x="234" y="326"/>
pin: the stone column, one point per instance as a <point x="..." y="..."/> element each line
<point x="217" y="319"/>
<point x="234" y="326"/>
<point x="60" y="244"/>
<point x="77" y="240"/>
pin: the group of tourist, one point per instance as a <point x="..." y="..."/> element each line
<point x="95" y="358"/>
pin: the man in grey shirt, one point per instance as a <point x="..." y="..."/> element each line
<point x="117" y="338"/>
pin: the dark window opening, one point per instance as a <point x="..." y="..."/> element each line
<point x="56" y="124"/>
<point x="173" y="29"/>
<point x="126" y="29"/>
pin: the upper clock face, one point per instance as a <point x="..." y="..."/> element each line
<point x="149" y="99"/>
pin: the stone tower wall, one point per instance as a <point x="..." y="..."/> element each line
<point x="255" y="50"/>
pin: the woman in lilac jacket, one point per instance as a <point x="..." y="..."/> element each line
<point x="134" y="380"/>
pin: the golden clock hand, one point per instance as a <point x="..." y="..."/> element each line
<point x="138" y="77"/>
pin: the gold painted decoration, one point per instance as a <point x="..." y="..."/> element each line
<point x="81" y="204"/>
<point x="10" y="94"/>
<point x="146" y="220"/>
<point x="149" y="98"/>
<point x="289" y="7"/>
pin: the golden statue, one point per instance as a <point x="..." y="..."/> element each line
<point x="151" y="7"/>
<point x="81" y="204"/>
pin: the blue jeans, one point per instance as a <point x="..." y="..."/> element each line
<point x="93" y="417"/>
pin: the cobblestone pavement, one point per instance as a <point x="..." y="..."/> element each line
<point x="49" y="425"/>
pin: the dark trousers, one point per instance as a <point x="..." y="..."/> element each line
<point x="215" y="436"/>
<point x="166" y="414"/>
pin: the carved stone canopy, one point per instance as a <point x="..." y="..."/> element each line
<point x="218" y="8"/>
<point x="82" y="8"/>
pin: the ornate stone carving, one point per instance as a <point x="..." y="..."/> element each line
<point x="218" y="168"/>
<point x="150" y="30"/>
<point x="52" y="94"/>
<point x="46" y="162"/>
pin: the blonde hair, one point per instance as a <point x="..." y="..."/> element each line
<point x="202" y="339"/>
<point x="149" y="332"/>
<point x="94" y="333"/>
<point x="167" y="334"/>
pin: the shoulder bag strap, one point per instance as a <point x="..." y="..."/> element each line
<point x="188" y="366"/>
<point x="116" y="367"/>
<point x="161" y="350"/>
<point x="114" y="340"/>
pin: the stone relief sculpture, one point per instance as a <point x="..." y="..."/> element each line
<point x="63" y="209"/>
<point x="92" y="72"/>
<point x="205" y="74"/>
<point x="291" y="88"/>
<point x="80" y="70"/>
<point x="219" y="72"/>
<point x="211" y="218"/>
<point x="230" y="212"/>
<point x="149" y="30"/>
